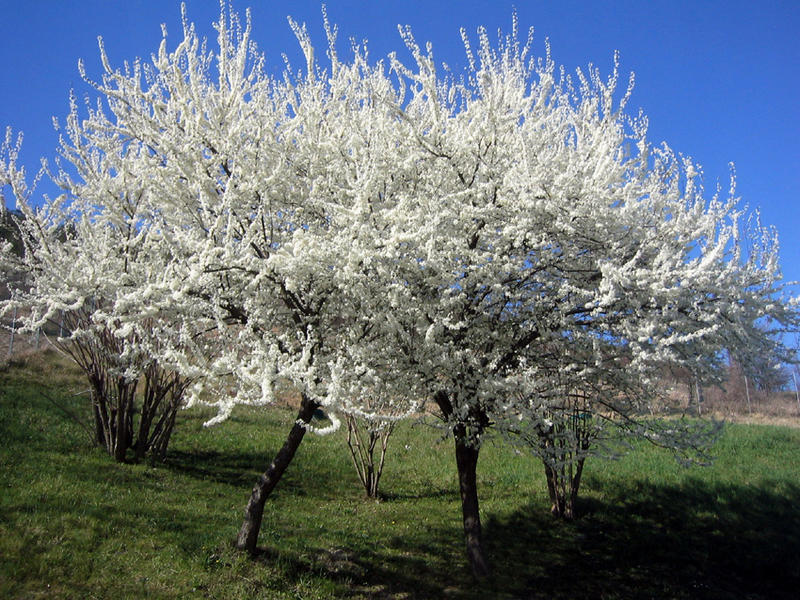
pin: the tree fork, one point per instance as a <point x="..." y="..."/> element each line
<point x="248" y="534"/>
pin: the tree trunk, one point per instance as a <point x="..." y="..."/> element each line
<point x="575" y="485"/>
<point x="121" y="441"/>
<point x="467" y="461"/>
<point x="556" y="504"/>
<point x="248" y="534"/>
<point x="563" y="489"/>
<point x="99" y="430"/>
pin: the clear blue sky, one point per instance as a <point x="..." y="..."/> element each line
<point x="719" y="80"/>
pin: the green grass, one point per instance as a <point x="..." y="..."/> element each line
<point x="74" y="524"/>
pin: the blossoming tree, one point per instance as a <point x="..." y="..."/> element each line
<point x="252" y="194"/>
<point x="357" y="227"/>
<point x="533" y="241"/>
<point x="79" y="264"/>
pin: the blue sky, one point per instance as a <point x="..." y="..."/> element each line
<point x="719" y="81"/>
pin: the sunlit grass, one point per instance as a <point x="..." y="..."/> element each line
<point x="74" y="524"/>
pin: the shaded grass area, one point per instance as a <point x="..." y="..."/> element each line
<point x="73" y="524"/>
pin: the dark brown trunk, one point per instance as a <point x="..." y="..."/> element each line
<point x="101" y="420"/>
<point x="141" y="446"/>
<point x="576" y="484"/>
<point x="150" y="401"/>
<point x="248" y="534"/>
<point x="552" y="488"/>
<point x="99" y="430"/>
<point x="121" y="441"/>
<point x="467" y="462"/>
<point x="564" y="494"/>
<point x="164" y="431"/>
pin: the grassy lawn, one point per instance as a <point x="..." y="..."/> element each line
<point x="73" y="524"/>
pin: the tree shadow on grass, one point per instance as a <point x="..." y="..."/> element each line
<point x="303" y="477"/>
<point x="234" y="468"/>
<point x="692" y="540"/>
<point x="696" y="540"/>
<point x="397" y="567"/>
<point x="429" y="493"/>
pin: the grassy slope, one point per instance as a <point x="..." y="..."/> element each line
<point x="73" y="524"/>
